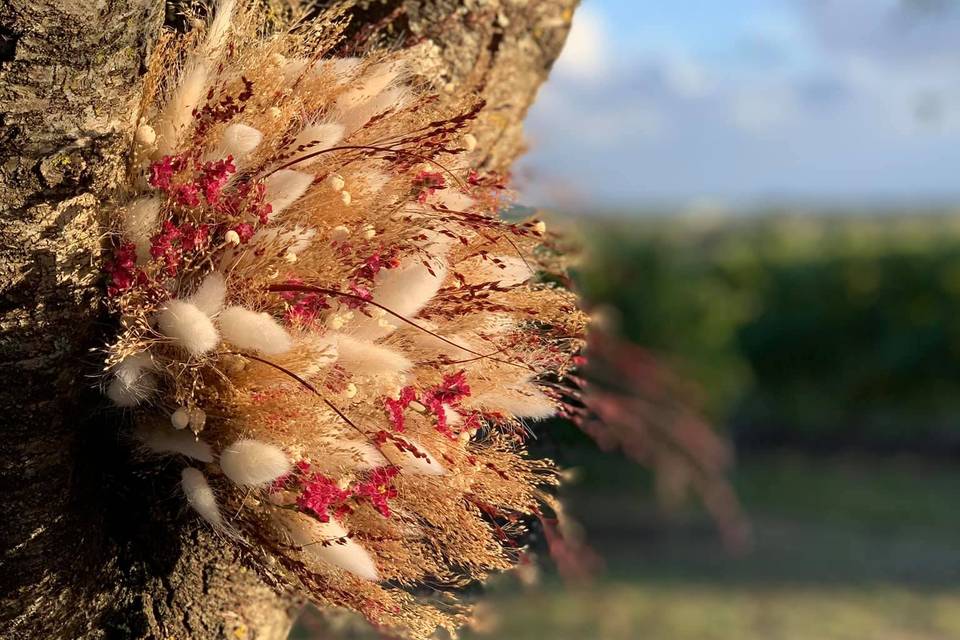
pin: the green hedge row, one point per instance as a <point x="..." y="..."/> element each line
<point x="822" y="331"/>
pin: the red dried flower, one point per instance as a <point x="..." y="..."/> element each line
<point x="122" y="269"/>
<point x="429" y="183"/>
<point x="163" y="170"/>
<point x="245" y="231"/>
<point x="371" y="266"/>
<point x="214" y="176"/>
<point x="164" y="245"/>
<point x="378" y="489"/>
<point x="186" y="195"/>
<point x="322" y="497"/>
<point x="395" y="408"/>
<point x="451" y="390"/>
<point x="306" y="310"/>
<point x="193" y="238"/>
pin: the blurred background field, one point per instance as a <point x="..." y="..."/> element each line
<point x="812" y="330"/>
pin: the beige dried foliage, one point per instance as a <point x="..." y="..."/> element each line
<point x="319" y="269"/>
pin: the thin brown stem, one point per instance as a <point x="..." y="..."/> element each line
<point x="364" y="147"/>
<point x="306" y="288"/>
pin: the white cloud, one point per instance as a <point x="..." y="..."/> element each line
<point x="686" y="77"/>
<point x="585" y="55"/>
<point x="761" y="110"/>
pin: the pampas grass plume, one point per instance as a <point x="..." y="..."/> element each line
<point x="351" y="454"/>
<point x="219" y="27"/>
<point x="523" y="401"/>
<point x="405" y="291"/>
<point x="252" y="463"/>
<point x="177" y="116"/>
<point x="238" y="140"/>
<point x="412" y="464"/>
<point x="357" y="116"/>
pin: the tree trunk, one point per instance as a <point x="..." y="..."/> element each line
<point x="95" y="545"/>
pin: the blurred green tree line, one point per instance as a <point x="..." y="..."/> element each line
<point x="822" y="331"/>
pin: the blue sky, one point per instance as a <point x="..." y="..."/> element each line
<point x="704" y="103"/>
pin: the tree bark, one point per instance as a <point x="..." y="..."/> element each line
<point x="95" y="545"/>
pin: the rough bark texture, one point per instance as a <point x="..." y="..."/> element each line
<point x="94" y="546"/>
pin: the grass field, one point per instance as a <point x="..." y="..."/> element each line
<point x="845" y="548"/>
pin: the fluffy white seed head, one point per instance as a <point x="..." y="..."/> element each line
<point x="374" y="181"/>
<point x="200" y="496"/>
<point x="314" y="138"/>
<point x="284" y="187"/>
<point x="424" y="465"/>
<point x="188" y="327"/>
<point x="163" y="440"/>
<point x="408" y="288"/>
<point x="177" y="116"/>
<point x="371" y="84"/>
<point x="363" y="357"/>
<point x="145" y="135"/>
<point x="522" y="401"/>
<point x="355" y="455"/>
<point x="342" y="69"/>
<point x="454" y="200"/>
<point x="133" y="381"/>
<point x="326" y="543"/>
<point x="210" y="295"/>
<point x="239" y="140"/>
<point x="246" y="329"/>
<point x="140" y="223"/>
<point x="356" y="117"/>
<point x="219" y="27"/>
<point x="405" y="291"/>
<point x="251" y="463"/>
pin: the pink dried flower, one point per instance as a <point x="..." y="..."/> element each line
<point x="378" y="489"/>
<point x="323" y="497"/>
<point x="245" y="231"/>
<point x="395" y="408"/>
<point x="163" y="170"/>
<point x="306" y="310"/>
<point x="122" y="269"/>
<point x="164" y="245"/>
<point x="193" y="238"/>
<point x="429" y="182"/>
<point x="214" y="176"/>
<point x="186" y="195"/>
<point x="451" y="390"/>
